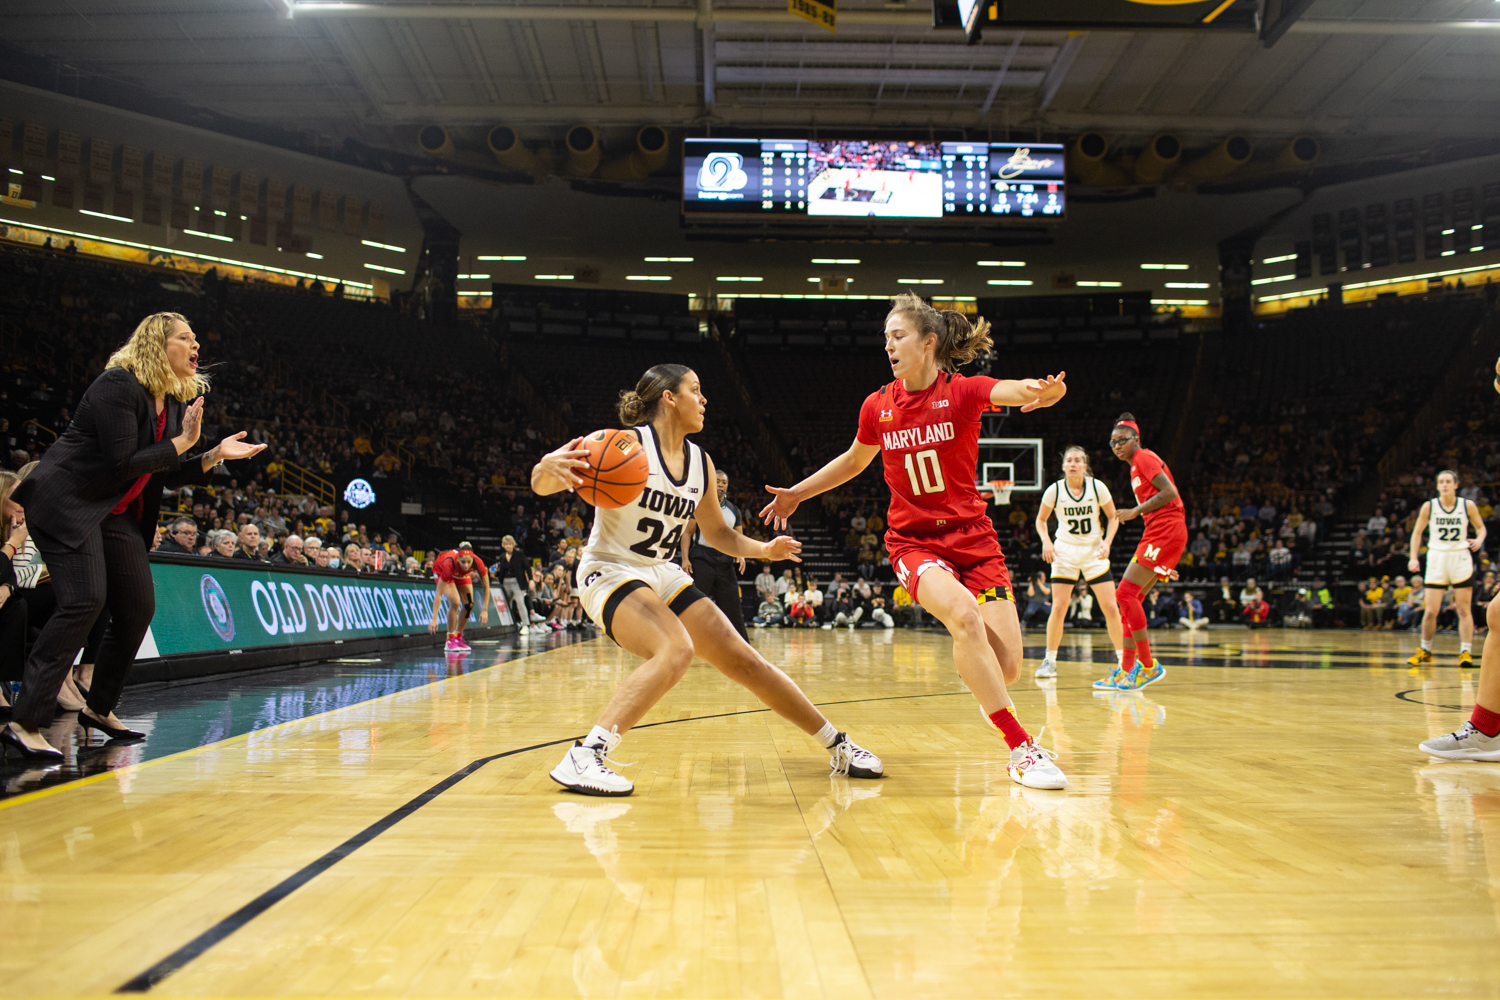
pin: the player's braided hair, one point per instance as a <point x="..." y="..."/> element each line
<point x="638" y="406"/>
<point x="958" y="341"/>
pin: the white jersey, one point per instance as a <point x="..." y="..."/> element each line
<point x="1080" y="518"/>
<point x="649" y="531"/>
<point x="1448" y="530"/>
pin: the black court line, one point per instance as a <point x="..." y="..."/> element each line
<point x="1432" y="704"/>
<point x="180" y="958"/>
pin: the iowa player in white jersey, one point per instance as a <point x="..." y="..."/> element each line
<point x="1447" y="519"/>
<point x="1086" y="529"/>
<point x="648" y="605"/>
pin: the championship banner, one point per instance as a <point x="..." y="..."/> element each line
<point x="218" y="605"/>
<point x="820" y="12"/>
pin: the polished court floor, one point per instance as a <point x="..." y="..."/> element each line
<point x="1258" y="824"/>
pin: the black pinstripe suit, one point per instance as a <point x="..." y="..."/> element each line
<point x="97" y="558"/>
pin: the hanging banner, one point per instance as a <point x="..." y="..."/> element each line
<point x="820" y="12"/>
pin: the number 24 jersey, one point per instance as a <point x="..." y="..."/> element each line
<point x="929" y="444"/>
<point x="649" y="531"/>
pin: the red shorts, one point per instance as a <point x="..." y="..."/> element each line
<point x="971" y="553"/>
<point x="463" y="580"/>
<point x="1161" y="546"/>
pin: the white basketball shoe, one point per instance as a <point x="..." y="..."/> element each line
<point x="583" y="770"/>
<point x="1467" y="743"/>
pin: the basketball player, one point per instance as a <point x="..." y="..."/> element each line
<point x="1450" y="564"/>
<point x="649" y="606"/>
<point x="1083" y="506"/>
<point x="1479" y="737"/>
<point x="942" y="543"/>
<point x="715" y="573"/>
<point x="1156" y="556"/>
<point x="455" y="571"/>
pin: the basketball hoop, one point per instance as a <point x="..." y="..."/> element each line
<point x="1001" y="490"/>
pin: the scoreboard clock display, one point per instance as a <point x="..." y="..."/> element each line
<point x="873" y="179"/>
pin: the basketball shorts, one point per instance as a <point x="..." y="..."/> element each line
<point x="971" y="553"/>
<point x="1161" y="546"/>
<point x="1074" y="562"/>
<point x="1449" y="569"/>
<point x="604" y="583"/>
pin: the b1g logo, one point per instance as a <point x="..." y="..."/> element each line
<point x="216" y="606"/>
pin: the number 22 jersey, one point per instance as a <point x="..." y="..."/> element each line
<point x="649" y="531"/>
<point x="929" y="444"/>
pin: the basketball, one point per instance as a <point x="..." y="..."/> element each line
<point x="617" y="469"/>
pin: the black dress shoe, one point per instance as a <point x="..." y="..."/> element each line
<point x="11" y="741"/>
<point x="111" y="732"/>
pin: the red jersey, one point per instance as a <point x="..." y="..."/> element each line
<point x="447" y="568"/>
<point x="1144" y="465"/>
<point x="929" y="442"/>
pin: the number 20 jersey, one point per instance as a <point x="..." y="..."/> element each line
<point x="929" y="444"/>
<point x="649" y="531"/>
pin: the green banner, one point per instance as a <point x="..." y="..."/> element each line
<point x="213" y="604"/>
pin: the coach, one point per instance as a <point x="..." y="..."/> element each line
<point x="92" y="507"/>
<point x="715" y="573"/>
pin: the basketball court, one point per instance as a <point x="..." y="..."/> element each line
<point x="1259" y="823"/>
<point x="894" y="193"/>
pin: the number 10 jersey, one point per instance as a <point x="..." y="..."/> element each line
<point x="929" y="442"/>
<point x="649" y="531"/>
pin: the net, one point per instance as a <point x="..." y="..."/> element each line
<point x="1001" y="490"/>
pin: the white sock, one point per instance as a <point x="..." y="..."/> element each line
<point x="827" y="736"/>
<point x="1466" y="647"/>
<point x="601" y="737"/>
<point x="1051" y="656"/>
<point x="1427" y="645"/>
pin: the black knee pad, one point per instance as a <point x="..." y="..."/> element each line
<point x="468" y="607"/>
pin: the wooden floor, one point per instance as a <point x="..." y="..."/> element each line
<point x="1259" y="824"/>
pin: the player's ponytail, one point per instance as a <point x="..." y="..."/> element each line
<point x="958" y="341"/>
<point x="638" y="406"/>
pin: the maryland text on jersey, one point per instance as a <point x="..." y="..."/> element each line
<point x="917" y="437"/>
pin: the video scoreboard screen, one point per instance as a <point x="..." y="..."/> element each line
<point x="861" y="179"/>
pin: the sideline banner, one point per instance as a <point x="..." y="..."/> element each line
<point x="214" y="604"/>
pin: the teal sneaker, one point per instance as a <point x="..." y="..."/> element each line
<point x="1142" y="676"/>
<point x="1114" y="682"/>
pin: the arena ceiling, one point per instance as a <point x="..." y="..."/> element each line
<point x="1368" y="78"/>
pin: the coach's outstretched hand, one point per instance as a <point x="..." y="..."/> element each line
<point x="1047" y="391"/>
<point x="779" y="510"/>
<point x="783" y="547"/>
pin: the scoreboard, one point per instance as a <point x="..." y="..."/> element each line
<point x="879" y="179"/>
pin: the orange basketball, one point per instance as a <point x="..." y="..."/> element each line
<point x="617" y="470"/>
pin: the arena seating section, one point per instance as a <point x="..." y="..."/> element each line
<point x="1296" y="414"/>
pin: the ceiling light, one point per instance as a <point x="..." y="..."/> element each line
<point x="1098" y="284"/>
<point x="1179" y="302"/>
<point x="1447" y="232"/>
<point x="1278" y="260"/>
<point x="315" y="256"/>
<point x="553" y="277"/>
<point x="15" y="171"/>
<point x="1272" y="281"/>
<point x="121" y="218"/>
<point x="221" y="214"/>
<point x="1002" y="263"/>
<point x="472" y="277"/>
<point x="505" y="257"/>
<point x="387" y="270"/>
<point x="847" y="281"/>
<point x="668" y="260"/>
<point x="194" y="232"/>
<point x="385" y="246"/>
<point x="648" y="277"/>
<point x="1165" y="267"/>
<point x="738" y="279"/>
<point x="1186" y="284"/>
<point x="835" y="260"/>
<point x="919" y="281"/>
<point x="1005" y="282"/>
<point x="47" y="178"/>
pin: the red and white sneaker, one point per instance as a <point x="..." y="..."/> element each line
<point x="452" y="646"/>
<point x="1031" y="765"/>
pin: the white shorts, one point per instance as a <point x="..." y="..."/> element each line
<point x="1078" y="562"/>
<point x="603" y="584"/>
<point x="1449" y="569"/>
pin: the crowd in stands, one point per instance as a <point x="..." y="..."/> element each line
<point x="793" y="600"/>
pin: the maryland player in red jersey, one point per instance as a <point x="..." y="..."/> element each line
<point x="925" y="424"/>
<point x="455" y="571"/>
<point x="1156" y="556"/>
